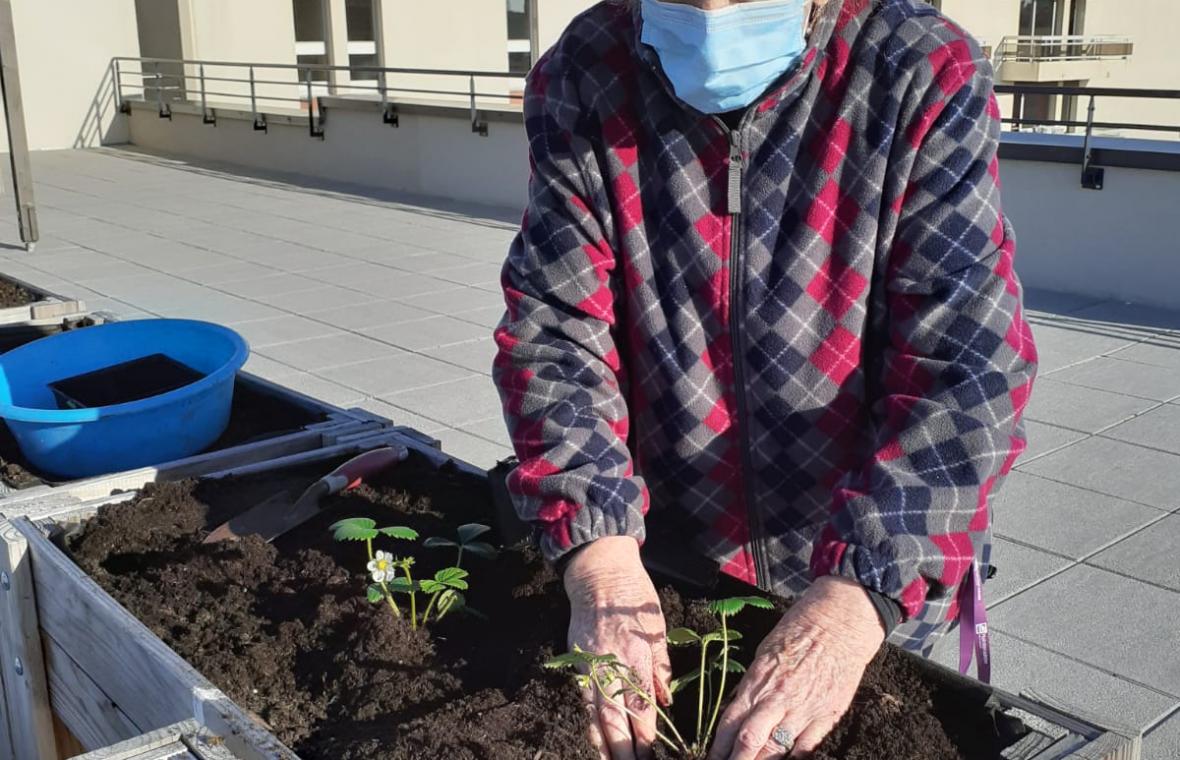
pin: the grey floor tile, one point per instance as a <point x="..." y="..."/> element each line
<point x="285" y="329"/>
<point x="1059" y="347"/>
<point x="232" y="272"/>
<point x="476" y="355"/>
<point x="1128" y="378"/>
<point x="470" y="448"/>
<point x="1123" y="626"/>
<point x="1160" y="351"/>
<point x="476" y="274"/>
<point x="493" y="429"/>
<point x="457" y="301"/>
<point x="425" y="334"/>
<point x="1018" y="567"/>
<point x="385" y="282"/>
<point x="1018" y="666"/>
<point x="368" y="315"/>
<point x="329" y="351"/>
<point x="1079" y="408"/>
<point x="455" y="403"/>
<point x="268" y="368"/>
<point x="214" y="307"/>
<point x="395" y="373"/>
<point x="272" y="285"/>
<point x="322" y="298"/>
<point x="426" y="262"/>
<point x="1063" y="519"/>
<point x="1043" y="439"/>
<point x="1119" y="469"/>
<point x="1163" y="741"/>
<point x="400" y="416"/>
<point x="1158" y="428"/>
<point x="1149" y="555"/>
<point x="488" y="317"/>
<point x="325" y="390"/>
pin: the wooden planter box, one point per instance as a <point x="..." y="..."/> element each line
<point x="72" y="655"/>
<point x="337" y="426"/>
<point x="48" y="306"/>
<point x="187" y="740"/>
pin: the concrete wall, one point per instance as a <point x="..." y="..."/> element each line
<point x="553" y="16"/>
<point x="64" y="48"/>
<point x="455" y="34"/>
<point x="431" y="155"/>
<point x="1117" y="242"/>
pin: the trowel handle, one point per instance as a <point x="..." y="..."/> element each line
<point x="354" y="472"/>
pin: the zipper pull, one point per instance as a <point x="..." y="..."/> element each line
<point x="734" y="187"/>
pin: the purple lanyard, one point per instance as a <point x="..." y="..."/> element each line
<point x="973" y="636"/>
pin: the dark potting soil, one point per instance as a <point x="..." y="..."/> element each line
<point x="12" y="294"/>
<point x="285" y="629"/>
<point x="254" y="416"/>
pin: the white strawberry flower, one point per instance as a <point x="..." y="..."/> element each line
<point x="381" y="567"/>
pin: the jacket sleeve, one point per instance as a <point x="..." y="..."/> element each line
<point x="557" y="368"/>
<point x="957" y="361"/>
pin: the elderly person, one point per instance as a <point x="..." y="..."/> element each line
<point x="764" y="282"/>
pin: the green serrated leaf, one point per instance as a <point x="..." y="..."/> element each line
<point x="471" y="531"/>
<point x="683" y="637"/>
<point x="452" y="576"/>
<point x="733" y="666"/>
<point x="481" y="548"/>
<point x="567" y="660"/>
<point x="436" y="542"/>
<point x="374" y="593"/>
<point x="429" y="586"/>
<point x="402" y="586"/>
<point x="398" y="531"/>
<point x="678" y="684"/>
<point x="354" y="529"/>
<point x="717" y="635"/>
<point x="734" y="605"/>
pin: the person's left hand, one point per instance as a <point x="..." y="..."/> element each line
<point x="804" y="674"/>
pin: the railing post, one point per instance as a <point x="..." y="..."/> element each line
<point x="259" y="124"/>
<point x="165" y="112"/>
<point x="117" y="81"/>
<point x="388" y="111"/>
<point x="311" y="108"/>
<point x="477" y="126"/>
<point x="1092" y="176"/>
<point x="205" y="117"/>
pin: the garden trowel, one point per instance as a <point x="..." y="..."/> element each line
<point x="277" y="515"/>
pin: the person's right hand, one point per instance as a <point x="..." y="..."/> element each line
<point x="614" y="609"/>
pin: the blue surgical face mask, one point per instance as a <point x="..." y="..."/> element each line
<point x="722" y="60"/>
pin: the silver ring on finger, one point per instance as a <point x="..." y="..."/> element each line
<point x="784" y="738"/>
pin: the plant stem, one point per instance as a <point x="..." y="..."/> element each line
<point x="459" y="561"/>
<point x="413" y="598"/>
<point x="724" y="672"/>
<point x="642" y="694"/>
<point x="429" y="607"/>
<point x="701" y="692"/>
<point x="682" y="747"/>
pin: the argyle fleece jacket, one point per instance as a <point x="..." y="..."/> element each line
<point x="804" y="333"/>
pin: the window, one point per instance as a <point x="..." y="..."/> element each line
<point x="311" y="46"/>
<point x="1041" y="17"/>
<point x="362" y="40"/>
<point x="520" y="49"/>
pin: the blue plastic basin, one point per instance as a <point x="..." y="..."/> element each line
<point x="76" y="443"/>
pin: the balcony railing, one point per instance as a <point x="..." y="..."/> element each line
<point x="1043" y="49"/>
<point x="257" y="88"/>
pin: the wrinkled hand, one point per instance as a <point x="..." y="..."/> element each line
<point x="614" y="609"/>
<point x="804" y="674"/>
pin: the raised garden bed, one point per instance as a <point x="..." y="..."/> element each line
<point x="285" y="630"/>
<point x="22" y="302"/>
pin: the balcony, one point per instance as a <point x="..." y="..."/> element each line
<point x="1076" y="58"/>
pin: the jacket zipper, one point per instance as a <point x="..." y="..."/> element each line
<point x="736" y="339"/>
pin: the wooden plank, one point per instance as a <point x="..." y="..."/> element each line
<point x="26" y="691"/>
<point x="56" y="310"/>
<point x="6" y="751"/>
<point x="1109" y="746"/>
<point x="84" y="708"/>
<point x="67" y="744"/>
<point x="149" y="682"/>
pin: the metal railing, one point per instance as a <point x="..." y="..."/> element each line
<point x="1092" y="176"/>
<point x="1043" y="48"/>
<point x="299" y="86"/>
